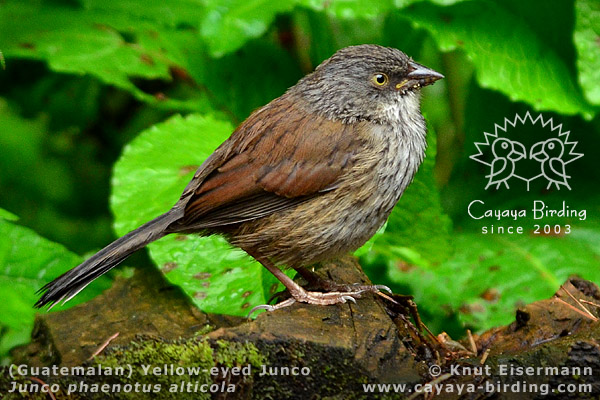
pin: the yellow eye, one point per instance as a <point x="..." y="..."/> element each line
<point x="380" y="79"/>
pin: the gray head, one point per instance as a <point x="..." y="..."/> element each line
<point x="366" y="82"/>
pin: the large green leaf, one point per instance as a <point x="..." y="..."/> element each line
<point x="148" y="180"/>
<point x="509" y="58"/>
<point x="27" y="262"/>
<point x="116" y="42"/>
<point x="491" y="275"/>
<point x="7" y="215"/>
<point x="587" y="42"/>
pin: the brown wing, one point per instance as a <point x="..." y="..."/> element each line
<point x="274" y="160"/>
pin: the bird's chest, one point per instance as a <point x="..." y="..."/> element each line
<point x="399" y="158"/>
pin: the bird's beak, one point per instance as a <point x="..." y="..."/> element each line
<point x="517" y="152"/>
<point x="537" y="152"/>
<point x="422" y="75"/>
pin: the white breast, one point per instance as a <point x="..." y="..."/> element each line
<point x="405" y="141"/>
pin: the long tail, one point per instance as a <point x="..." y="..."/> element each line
<point x="66" y="286"/>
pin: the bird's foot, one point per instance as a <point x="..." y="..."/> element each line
<point x="332" y="286"/>
<point x="343" y="294"/>
<point x="316" y="281"/>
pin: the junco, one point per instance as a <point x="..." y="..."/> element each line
<point x="308" y="177"/>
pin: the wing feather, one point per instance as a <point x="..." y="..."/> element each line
<point x="276" y="159"/>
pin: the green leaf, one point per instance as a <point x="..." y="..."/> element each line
<point x="404" y="3"/>
<point x="170" y="13"/>
<point x="491" y="275"/>
<point x="509" y="58"/>
<point x="27" y="262"/>
<point x="227" y="25"/>
<point x="7" y="215"/>
<point x="587" y="43"/>
<point x="352" y="10"/>
<point x="217" y="277"/>
<point x="116" y="42"/>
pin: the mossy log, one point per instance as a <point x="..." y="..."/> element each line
<point x="299" y="352"/>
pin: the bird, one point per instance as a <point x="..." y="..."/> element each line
<point x="306" y="178"/>
<point x="549" y="153"/>
<point x="506" y="153"/>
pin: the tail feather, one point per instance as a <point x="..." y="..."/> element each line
<point x="66" y="286"/>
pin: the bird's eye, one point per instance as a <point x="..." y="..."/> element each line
<point x="380" y="79"/>
<point x="505" y="145"/>
<point x="551" y="146"/>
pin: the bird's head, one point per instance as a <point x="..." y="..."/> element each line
<point x="366" y="82"/>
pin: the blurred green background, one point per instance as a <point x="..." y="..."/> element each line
<point x="108" y="106"/>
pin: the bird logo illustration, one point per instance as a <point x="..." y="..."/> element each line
<point x="506" y="154"/>
<point x="553" y="154"/>
<point x="549" y="153"/>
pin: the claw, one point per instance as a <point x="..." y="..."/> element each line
<point x="385" y="288"/>
<point x="270" y="308"/>
<point x="371" y="287"/>
<point x="349" y="298"/>
<point x="265" y="307"/>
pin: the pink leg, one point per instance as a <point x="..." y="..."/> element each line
<point x="299" y="294"/>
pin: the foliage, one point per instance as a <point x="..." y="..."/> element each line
<point x="585" y="38"/>
<point x="86" y="80"/>
<point x="28" y="261"/>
